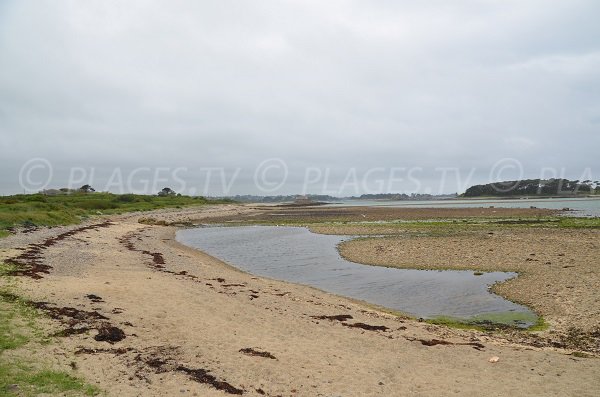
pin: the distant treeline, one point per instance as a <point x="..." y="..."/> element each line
<point x="327" y="198"/>
<point x="248" y="198"/>
<point x="533" y="187"/>
<point x="403" y="196"/>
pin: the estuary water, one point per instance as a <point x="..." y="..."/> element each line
<point x="296" y="255"/>
<point x="584" y="207"/>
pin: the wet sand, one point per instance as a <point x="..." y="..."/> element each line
<point x="274" y="214"/>
<point x="164" y="319"/>
<point x="558" y="269"/>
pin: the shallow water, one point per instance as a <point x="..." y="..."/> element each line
<point x="585" y="207"/>
<point x="295" y="254"/>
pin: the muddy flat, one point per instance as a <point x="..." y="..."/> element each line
<point x="159" y="318"/>
<point x="352" y="214"/>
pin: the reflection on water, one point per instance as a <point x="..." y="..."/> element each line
<point x="297" y="255"/>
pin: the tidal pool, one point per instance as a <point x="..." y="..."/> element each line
<point x="295" y="254"/>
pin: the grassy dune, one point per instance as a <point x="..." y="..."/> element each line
<point x="42" y="210"/>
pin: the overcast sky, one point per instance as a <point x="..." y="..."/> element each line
<point x="405" y="89"/>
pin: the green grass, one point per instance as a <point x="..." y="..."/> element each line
<point x="19" y="329"/>
<point x="448" y="227"/>
<point x="10" y="338"/>
<point x="580" y="223"/>
<point x="19" y="379"/>
<point x="435" y="223"/>
<point x="41" y="210"/>
<point x="16" y="314"/>
<point x="5" y="270"/>
<point x="430" y="227"/>
<point x="18" y="319"/>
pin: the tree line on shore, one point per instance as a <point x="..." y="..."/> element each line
<point x="535" y="187"/>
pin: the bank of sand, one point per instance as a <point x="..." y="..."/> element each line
<point x="195" y="326"/>
<point x="559" y="271"/>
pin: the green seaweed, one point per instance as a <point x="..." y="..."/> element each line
<point x="494" y="321"/>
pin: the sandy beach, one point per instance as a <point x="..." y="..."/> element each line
<point x="145" y="316"/>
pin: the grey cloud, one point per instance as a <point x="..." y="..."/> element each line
<point x="335" y="84"/>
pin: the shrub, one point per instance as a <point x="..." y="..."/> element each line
<point x="96" y="205"/>
<point x="125" y="198"/>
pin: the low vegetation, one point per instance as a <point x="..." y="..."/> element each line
<point x="21" y="372"/>
<point x="441" y="228"/>
<point x="24" y="380"/>
<point x="50" y="210"/>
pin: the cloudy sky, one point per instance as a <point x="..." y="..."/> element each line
<point x="297" y="96"/>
